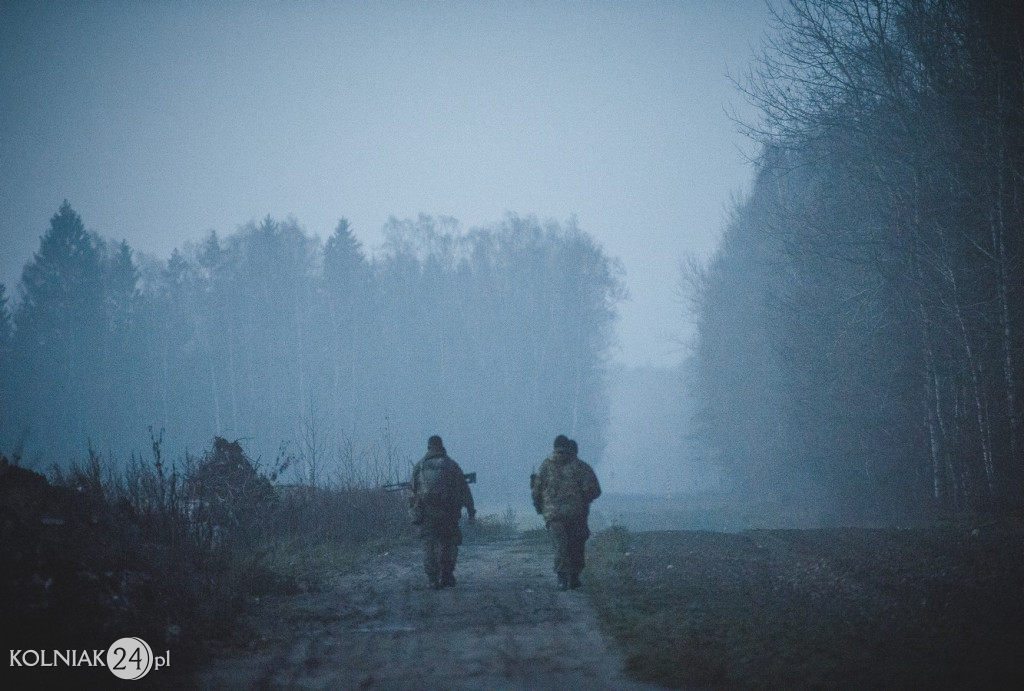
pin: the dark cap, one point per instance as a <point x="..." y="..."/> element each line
<point x="574" y="448"/>
<point x="562" y="443"/>
<point x="435" y="443"/>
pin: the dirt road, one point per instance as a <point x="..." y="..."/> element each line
<point x="504" y="626"/>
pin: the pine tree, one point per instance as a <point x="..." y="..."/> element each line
<point x="346" y="292"/>
<point x="59" y="333"/>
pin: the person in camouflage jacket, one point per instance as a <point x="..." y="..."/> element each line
<point x="439" y="491"/>
<point x="562" y="491"/>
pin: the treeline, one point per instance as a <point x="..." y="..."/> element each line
<point x="494" y="338"/>
<point x="860" y="328"/>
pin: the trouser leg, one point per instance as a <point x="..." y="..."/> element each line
<point x="559" y="532"/>
<point x="431" y="558"/>
<point x="449" y="554"/>
<point x="579" y="532"/>
<point x="576" y="549"/>
<point x="577" y="545"/>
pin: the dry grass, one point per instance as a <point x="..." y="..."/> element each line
<point x="170" y="552"/>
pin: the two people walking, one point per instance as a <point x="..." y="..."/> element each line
<point x="562" y="491"/>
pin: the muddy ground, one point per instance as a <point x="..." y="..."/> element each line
<point x="504" y="626"/>
<point x="939" y="607"/>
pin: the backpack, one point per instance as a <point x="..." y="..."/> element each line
<point x="435" y="481"/>
<point x="436" y="489"/>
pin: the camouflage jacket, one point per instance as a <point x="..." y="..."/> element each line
<point x="564" y="487"/>
<point x="439" y="490"/>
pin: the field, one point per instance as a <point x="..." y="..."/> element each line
<point x="824" y="608"/>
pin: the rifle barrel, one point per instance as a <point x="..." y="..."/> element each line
<point x="395" y="486"/>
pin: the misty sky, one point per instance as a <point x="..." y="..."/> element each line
<point x="159" y="121"/>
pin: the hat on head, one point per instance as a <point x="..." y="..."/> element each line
<point x="435" y="443"/>
<point x="561" y="443"/>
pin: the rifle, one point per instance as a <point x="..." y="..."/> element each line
<point x="398" y="486"/>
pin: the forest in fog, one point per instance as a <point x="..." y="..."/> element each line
<point x="858" y="333"/>
<point x="495" y="338"/>
<point x="861" y="324"/>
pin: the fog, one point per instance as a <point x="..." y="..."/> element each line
<point x="253" y="255"/>
<point x="329" y="231"/>
<point x="162" y="123"/>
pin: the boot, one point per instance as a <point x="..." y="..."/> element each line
<point x="563" y="581"/>
<point x="448" y="581"/>
<point x="574" y="581"/>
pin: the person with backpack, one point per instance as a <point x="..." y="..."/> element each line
<point x="439" y="491"/>
<point x="562" y="491"/>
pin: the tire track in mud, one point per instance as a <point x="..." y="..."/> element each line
<point x="504" y="626"/>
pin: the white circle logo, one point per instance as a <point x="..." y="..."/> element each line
<point x="130" y="658"/>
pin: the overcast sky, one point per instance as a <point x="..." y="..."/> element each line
<point x="159" y="121"/>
